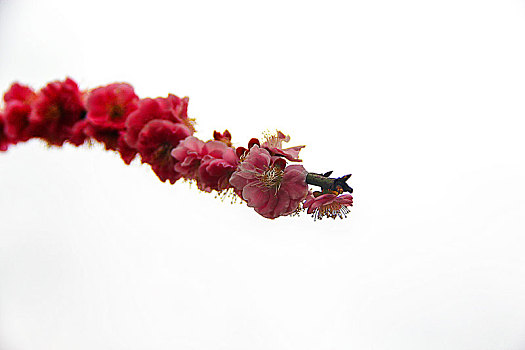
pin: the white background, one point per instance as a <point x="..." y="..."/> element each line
<point x="423" y="101"/>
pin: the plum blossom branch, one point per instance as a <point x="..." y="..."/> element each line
<point x="160" y="133"/>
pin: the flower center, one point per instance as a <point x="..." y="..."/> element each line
<point x="53" y="112"/>
<point x="271" y="177"/>
<point x="115" y="112"/>
<point x="272" y="140"/>
<point x="163" y="153"/>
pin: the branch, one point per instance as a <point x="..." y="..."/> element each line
<point x="329" y="183"/>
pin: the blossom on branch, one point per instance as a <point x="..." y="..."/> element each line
<point x="160" y="131"/>
<point x="19" y="92"/>
<point x="56" y="108"/>
<point x="188" y="155"/>
<point x="217" y="165"/>
<point x="109" y="106"/>
<point x="156" y="141"/>
<point x="127" y="153"/>
<point x="155" y="128"/>
<point x="172" y="108"/>
<point x="18" y="101"/>
<point x="17" y="126"/>
<point x="268" y="185"/>
<point x="328" y="204"/>
<point x="209" y="163"/>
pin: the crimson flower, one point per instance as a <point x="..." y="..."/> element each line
<point x="18" y="101"/>
<point x="17" y="126"/>
<point x="179" y="110"/>
<point x="155" y="143"/>
<point x="78" y="132"/>
<point x="172" y="108"/>
<point x="19" y="92"/>
<point x="155" y="128"/>
<point x="112" y="139"/>
<point x="127" y="153"/>
<point x="109" y="106"/>
<point x="268" y="185"/>
<point x="85" y="129"/>
<point x="329" y="204"/>
<point x="56" y="108"/>
<point x="4" y="142"/>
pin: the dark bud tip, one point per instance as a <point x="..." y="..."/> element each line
<point x="240" y="151"/>
<point x="252" y="142"/>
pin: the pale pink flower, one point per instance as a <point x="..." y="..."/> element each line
<point x="268" y="185"/>
<point x="330" y="205"/>
<point x="217" y="165"/>
<point x="188" y="155"/>
<point x="209" y="163"/>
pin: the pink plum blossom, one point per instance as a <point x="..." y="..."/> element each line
<point x="217" y="165"/>
<point x="330" y="204"/>
<point x="188" y="154"/>
<point x="268" y="185"/>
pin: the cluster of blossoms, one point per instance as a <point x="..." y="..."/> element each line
<point x="160" y="133"/>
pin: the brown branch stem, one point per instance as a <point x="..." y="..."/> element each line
<point x="329" y="183"/>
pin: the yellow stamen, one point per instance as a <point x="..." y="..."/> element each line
<point x="271" y="178"/>
<point x="228" y="194"/>
<point x="332" y="210"/>
<point x="272" y="139"/>
<point x="190" y="123"/>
